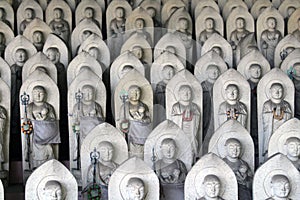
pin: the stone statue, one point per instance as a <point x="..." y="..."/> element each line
<point x="296" y="32"/>
<point x="269" y="39"/>
<point x="3" y="17"/>
<point x="29" y="15"/>
<point x="212" y="185"/>
<point x="38" y="40"/>
<point x="182" y="31"/>
<point x="117" y="25"/>
<point x="232" y="108"/>
<point x="52" y="190"/>
<point x="186" y="114"/>
<point x="239" y="33"/>
<point x="135" y="120"/>
<point x="292" y="145"/>
<point x="170" y="171"/>
<point x="275" y="112"/>
<point x="59" y="25"/>
<point x="168" y="72"/>
<point x="240" y="168"/>
<point x="209" y="30"/>
<point x="45" y="127"/>
<point x="280" y="187"/>
<point x="139" y="26"/>
<point x="87" y="114"/>
<point x="89" y="15"/>
<point x="105" y="166"/>
<point x="296" y="81"/>
<point x="135" y="189"/>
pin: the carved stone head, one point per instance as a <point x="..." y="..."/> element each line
<point x="89" y="13"/>
<point x="135" y="189"/>
<point x="134" y="93"/>
<point x="296" y="73"/>
<point x="53" y="54"/>
<point x="212" y="185"/>
<point x="139" y="24"/>
<point x="168" y="72"/>
<point x="29" y="14"/>
<point x="209" y="23"/>
<point x="234" y="148"/>
<point x="183" y="24"/>
<point x="185" y="93"/>
<point x="293" y="147"/>
<point x="88" y="92"/>
<point x="280" y="186"/>
<point x="106" y="150"/>
<point x="39" y="94"/>
<point x="240" y="23"/>
<point x="168" y="148"/>
<point x="20" y="56"/>
<point x="58" y="13"/>
<point x="276" y="91"/>
<point x="52" y="191"/>
<point x="232" y="92"/>
<point x="271" y="22"/>
<point x="213" y="73"/>
<point x="255" y="71"/>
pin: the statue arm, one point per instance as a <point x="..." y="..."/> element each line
<point x="99" y="110"/>
<point x="222" y="117"/>
<point x="288" y="111"/>
<point x="51" y="113"/>
<point x="243" y="114"/>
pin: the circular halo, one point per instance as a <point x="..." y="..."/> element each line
<point x="225" y="86"/>
<point x="221" y="148"/>
<point x="124" y="181"/>
<point x="41" y="185"/>
<point x="268" y="87"/>
<point x="268" y="178"/>
<point x="199" y="178"/>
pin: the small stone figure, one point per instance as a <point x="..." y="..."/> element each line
<point x="2" y="44"/>
<point x="29" y="16"/>
<point x="293" y="151"/>
<point x="232" y="108"/>
<point x="239" y="33"/>
<point x="135" y="120"/>
<point x="296" y="33"/>
<point x="170" y="171"/>
<point x="186" y="115"/>
<point x="269" y="40"/>
<point x="117" y="25"/>
<point x="168" y="72"/>
<point x="135" y="189"/>
<point x="59" y="26"/>
<point x="89" y="15"/>
<point x="105" y="166"/>
<point x="87" y="114"/>
<point x="139" y="26"/>
<point x="275" y="112"/>
<point x="45" y="128"/>
<point x="38" y="40"/>
<point x="182" y="31"/>
<point x="280" y="187"/>
<point x="212" y="185"/>
<point x="52" y="191"/>
<point x="296" y="81"/>
<point x="209" y="30"/>
<point x="3" y="17"/>
<point x="152" y="12"/>
<point x="240" y="168"/>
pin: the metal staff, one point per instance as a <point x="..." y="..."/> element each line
<point x="125" y="122"/>
<point x="78" y="97"/>
<point x="153" y="159"/>
<point x="26" y="127"/>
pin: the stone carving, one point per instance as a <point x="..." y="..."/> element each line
<point x="293" y="25"/>
<point x="284" y="48"/>
<point x="39" y="95"/>
<point x="51" y="180"/>
<point x="275" y="106"/>
<point x="273" y="181"/>
<point x="244" y="24"/>
<point x="220" y="46"/>
<point x="199" y="6"/>
<point x="287" y="8"/>
<point x="54" y="42"/>
<point x="270" y="30"/>
<point x="245" y="46"/>
<point x="6" y="72"/>
<point x="89" y="10"/>
<point x="133" y="99"/>
<point x="233" y="143"/>
<point x="106" y="145"/>
<point x="6" y="36"/>
<point x="209" y="178"/>
<point x="235" y="103"/>
<point x="116" y="15"/>
<point x="7" y="14"/>
<point x="277" y="3"/>
<point x="87" y="109"/>
<point x="81" y="32"/>
<point x="37" y="32"/>
<point x="184" y="107"/>
<point x="286" y="141"/>
<point x="259" y="6"/>
<point x="59" y="19"/>
<point x="134" y="180"/>
<point x="230" y="5"/>
<point x="1" y="191"/>
<point x="171" y="43"/>
<point x="140" y="23"/>
<point x="27" y="11"/>
<point x="97" y="48"/>
<point x="295" y="78"/>
<point x="288" y="63"/>
<point x="208" y="22"/>
<point x="168" y="9"/>
<point x="81" y="62"/>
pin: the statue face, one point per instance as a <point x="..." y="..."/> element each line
<point x="135" y="190"/>
<point x="293" y="148"/>
<point x="255" y="71"/>
<point x="52" y="55"/>
<point x="88" y="93"/>
<point x="29" y="13"/>
<point x="151" y="11"/>
<point x="213" y="72"/>
<point x="185" y="93"/>
<point x="52" y="192"/>
<point x="89" y="13"/>
<point x="271" y="23"/>
<point x="37" y="37"/>
<point x="120" y="12"/>
<point x="85" y="35"/>
<point x="281" y="188"/>
<point x="21" y="55"/>
<point x="168" y="72"/>
<point x="212" y="188"/>
<point x="232" y="92"/>
<point x="57" y="13"/>
<point x="138" y="52"/>
<point x="94" y="52"/>
<point x="183" y="24"/>
<point x="168" y="150"/>
<point x="277" y="91"/>
<point x="234" y="149"/>
<point x="134" y="94"/>
<point x="106" y="153"/>
<point x="240" y="23"/>
<point x="38" y="95"/>
<point x="139" y="23"/>
<point x="297" y="70"/>
<point x="209" y="23"/>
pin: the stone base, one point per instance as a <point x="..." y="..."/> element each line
<point x="4" y="176"/>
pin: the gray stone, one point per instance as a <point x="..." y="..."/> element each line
<point x="203" y="4"/>
<point x="293" y="24"/>
<point x="169" y="8"/>
<point x="89" y="10"/>
<point x="5" y="72"/>
<point x="259" y="6"/>
<point x="287" y="8"/>
<point x="7" y="10"/>
<point x="288" y="63"/>
<point x="230" y="6"/>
